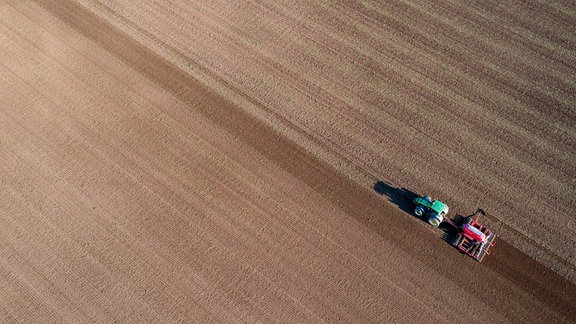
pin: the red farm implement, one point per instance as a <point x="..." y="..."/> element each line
<point x="470" y="236"/>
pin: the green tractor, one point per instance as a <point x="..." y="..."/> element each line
<point x="433" y="210"/>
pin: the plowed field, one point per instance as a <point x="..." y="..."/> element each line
<point x="218" y="161"/>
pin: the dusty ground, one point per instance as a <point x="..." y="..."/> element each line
<point x="216" y="162"/>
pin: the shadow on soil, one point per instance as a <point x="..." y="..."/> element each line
<point x="400" y="197"/>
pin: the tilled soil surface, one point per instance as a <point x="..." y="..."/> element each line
<point x="253" y="161"/>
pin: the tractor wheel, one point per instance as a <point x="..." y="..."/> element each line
<point x="434" y="220"/>
<point x="419" y="210"/>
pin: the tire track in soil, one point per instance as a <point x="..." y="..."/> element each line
<point x="512" y="265"/>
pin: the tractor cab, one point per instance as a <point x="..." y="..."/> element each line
<point x="433" y="210"/>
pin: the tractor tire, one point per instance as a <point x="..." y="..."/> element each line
<point x="419" y="211"/>
<point x="435" y="220"/>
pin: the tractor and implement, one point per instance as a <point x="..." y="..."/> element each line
<point x="466" y="234"/>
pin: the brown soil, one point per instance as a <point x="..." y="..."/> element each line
<point x="216" y="162"/>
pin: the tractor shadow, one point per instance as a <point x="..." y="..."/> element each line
<point x="401" y="197"/>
